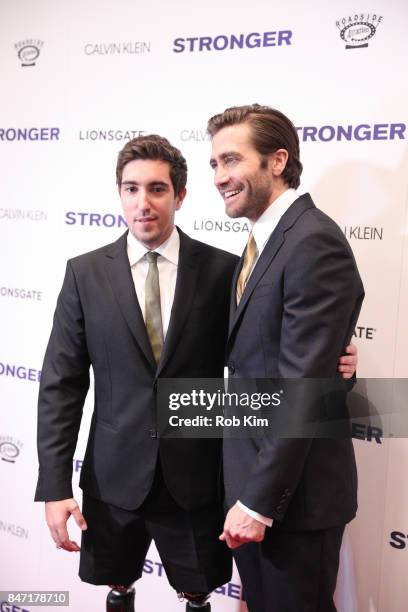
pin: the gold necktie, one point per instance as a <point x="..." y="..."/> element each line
<point x="250" y="257"/>
<point x="153" y="317"/>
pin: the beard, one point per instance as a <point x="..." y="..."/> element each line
<point x="253" y="200"/>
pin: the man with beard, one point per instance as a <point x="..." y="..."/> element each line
<point x="295" y="302"/>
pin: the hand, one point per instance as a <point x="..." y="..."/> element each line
<point x="348" y="363"/>
<point x="240" y="528"/>
<point x="57" y="514"/>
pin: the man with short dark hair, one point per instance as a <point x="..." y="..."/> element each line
<point x="295" y="302"/>
<point x="154" y="304"/>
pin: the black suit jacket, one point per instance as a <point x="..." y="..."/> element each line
<point x="98" y="323"/>
<point x="296" y="316"/>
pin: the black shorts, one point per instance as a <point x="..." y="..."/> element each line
<point x="116" y="542"/>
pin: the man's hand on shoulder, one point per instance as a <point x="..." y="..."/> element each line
<point x="348" y="363"/>
<point x="57" y="514"/>
<point x="240" y="528"/>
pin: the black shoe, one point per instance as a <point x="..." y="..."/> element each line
<point x="118" y="601"/>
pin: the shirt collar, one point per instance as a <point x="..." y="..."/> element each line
<point x="270" y="218"/>
<point x="169" y="249"/>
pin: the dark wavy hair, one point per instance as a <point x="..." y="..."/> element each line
<point x="270" y="130"/>
<point x="156" y="148"/>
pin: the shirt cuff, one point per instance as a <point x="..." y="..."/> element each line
<point x="259" y="517"/>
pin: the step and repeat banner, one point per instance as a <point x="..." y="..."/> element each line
<point x="81" y="78"/>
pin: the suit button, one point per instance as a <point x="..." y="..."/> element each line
<point x="279" y="508"/>
<point x="231" y="368"/>
<point x="153" y="433"/>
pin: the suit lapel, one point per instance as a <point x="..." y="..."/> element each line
<point x="276" y="239"/>
<point x="120" y="276"/>
<point x="187" y="274"/>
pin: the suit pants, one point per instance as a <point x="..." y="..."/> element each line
<point x="291" y="571"/>
<point x="116" y="542"/>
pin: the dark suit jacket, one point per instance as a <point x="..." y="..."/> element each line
<point x="296" y="316"/>
<point x="98" y="323"/>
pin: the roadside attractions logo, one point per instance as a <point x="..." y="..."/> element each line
<point x="10" y="448"/>
<point x="28" y="51"/>
<point x="356" y="30"/>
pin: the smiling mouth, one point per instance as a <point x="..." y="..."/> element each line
<point x="230" y="193"/>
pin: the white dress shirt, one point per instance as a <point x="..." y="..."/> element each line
<point x="267" y="222"/>
<point x="167" y="264"/>
<point x="261" y="231"/>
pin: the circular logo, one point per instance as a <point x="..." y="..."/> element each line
<point x="358" y="32"/>
<point x="28" y="54"/>
<point x="9" y="451"/>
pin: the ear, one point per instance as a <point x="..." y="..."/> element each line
<point x="180" y="197"/>
<point x="278" y="161"/>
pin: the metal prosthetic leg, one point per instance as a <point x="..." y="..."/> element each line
<point x="121" y="599"/>
<point x="196" y="602"/>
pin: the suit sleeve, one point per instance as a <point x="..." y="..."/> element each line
<point x="63" y="388"/>
<point x="322" y="296"/>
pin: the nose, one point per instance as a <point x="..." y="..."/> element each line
<point x="143" y="202"/>
<point x="221" y="176"/>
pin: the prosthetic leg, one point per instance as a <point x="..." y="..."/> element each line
<point x="196" y="602"/>
<point x="121" y="599"/>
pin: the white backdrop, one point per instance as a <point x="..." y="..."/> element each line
<point x="100" y="72"/>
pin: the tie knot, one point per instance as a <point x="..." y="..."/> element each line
<point x="152" y="256"/>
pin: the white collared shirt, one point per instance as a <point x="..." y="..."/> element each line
<point x="167" y="264"/>
<point x="267" y="222"/>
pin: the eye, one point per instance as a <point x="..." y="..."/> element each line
<point x="130" y="188"/>
<point x="157" y="189"/>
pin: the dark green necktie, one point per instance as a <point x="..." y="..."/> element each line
<point x="153" y="317"/>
